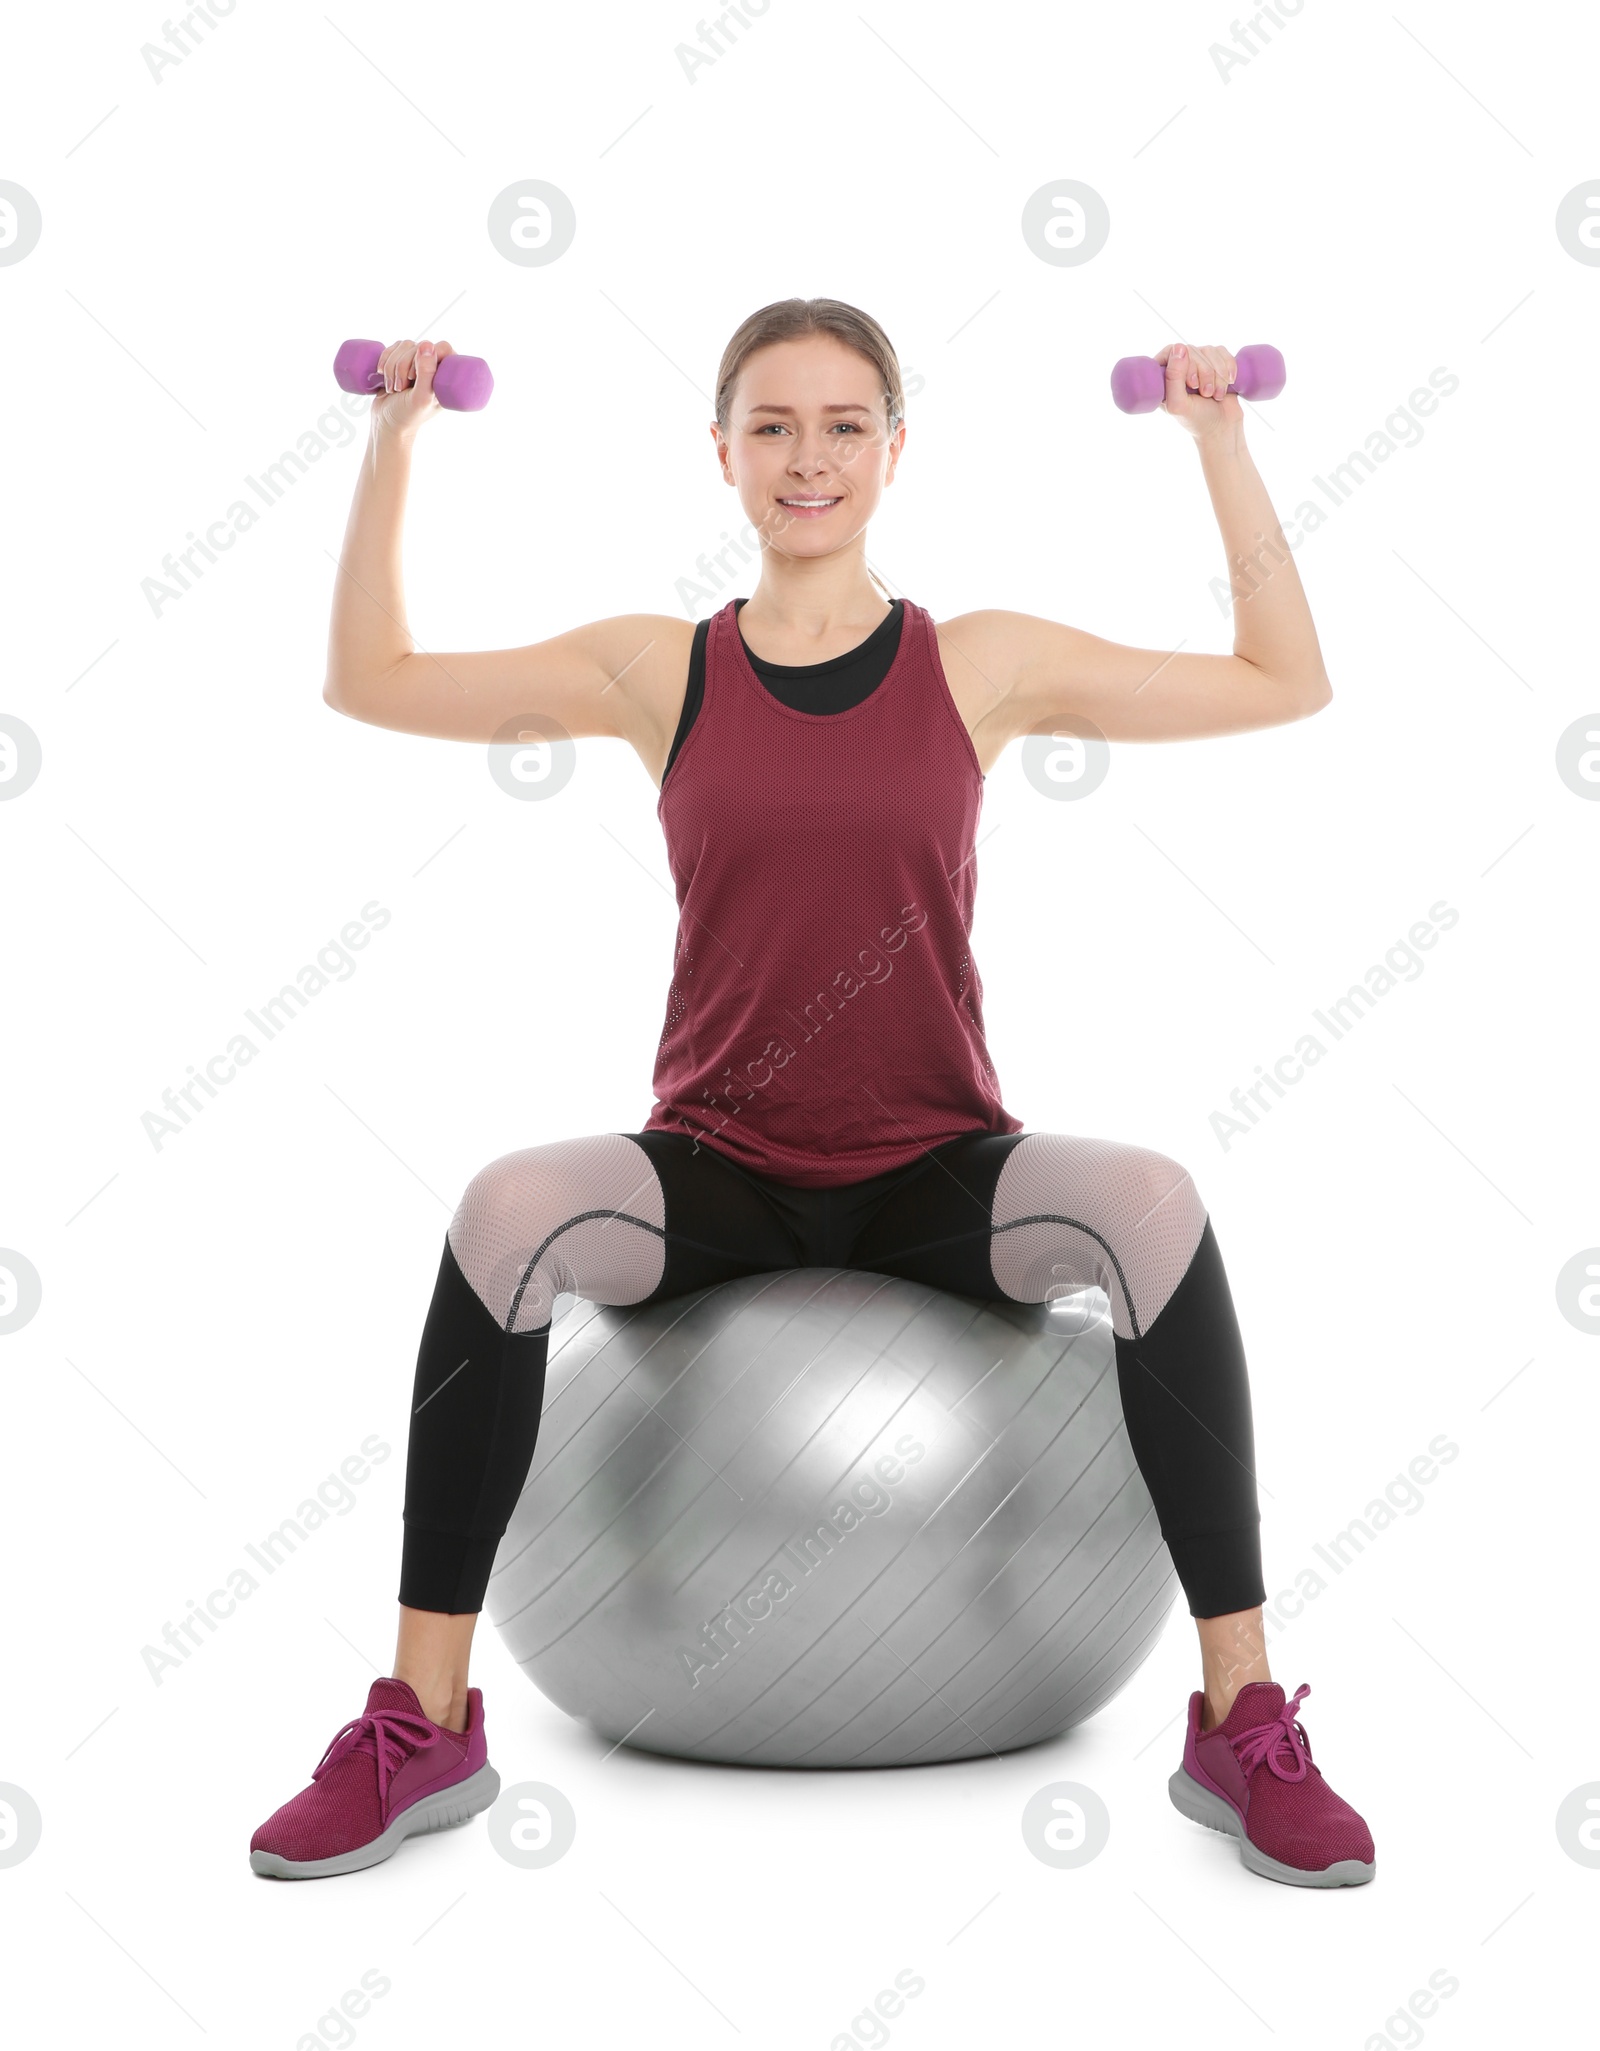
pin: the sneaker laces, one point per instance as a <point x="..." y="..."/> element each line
<point x="390" y="1736"/>
<point x="1270" y="1741"/>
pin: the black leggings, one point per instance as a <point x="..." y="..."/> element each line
<point x="631" y="1217"/>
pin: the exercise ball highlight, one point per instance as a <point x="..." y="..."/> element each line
<point x="828" y="1518"/>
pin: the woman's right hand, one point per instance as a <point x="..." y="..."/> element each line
<point x="407" y="396"/>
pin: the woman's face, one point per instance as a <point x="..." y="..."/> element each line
<point x="808" y="446"/>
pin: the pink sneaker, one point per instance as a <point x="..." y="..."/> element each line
<point x="388" y="1774"/>
<point x="1252" y="1776"/>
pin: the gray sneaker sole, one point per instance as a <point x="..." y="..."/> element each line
<point x="1201" y="1806"/>
<point x="436" y="1812"/>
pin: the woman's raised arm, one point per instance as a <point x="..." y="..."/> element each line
<point x="613" y="676"/>
<point x="1037" y="669"/>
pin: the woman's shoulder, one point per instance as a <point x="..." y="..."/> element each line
<point x="647" y="655"/>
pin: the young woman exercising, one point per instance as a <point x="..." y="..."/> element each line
<point x="820" y="751"/>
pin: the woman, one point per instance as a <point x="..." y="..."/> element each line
<point x="820" y="752"/>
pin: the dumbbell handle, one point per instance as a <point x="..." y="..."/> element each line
<point x="1139" y="383"/>
<point x="461" y="383"/>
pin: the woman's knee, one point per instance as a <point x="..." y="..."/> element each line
<point x="582" y="1217"/>
<point x="1163" y="1189"/>
<point x="1157" y="1222"/>
<point x="1122" y="1218"/>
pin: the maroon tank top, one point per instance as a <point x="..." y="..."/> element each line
<point x="825" y="1016"/>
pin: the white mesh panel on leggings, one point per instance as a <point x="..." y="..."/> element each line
<point x="1073" y="1214"/>
<point x="580" y="1217"/>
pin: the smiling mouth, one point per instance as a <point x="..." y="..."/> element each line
<point x="809" y="505"/>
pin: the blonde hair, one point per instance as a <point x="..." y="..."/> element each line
<point x="787" y="319"/>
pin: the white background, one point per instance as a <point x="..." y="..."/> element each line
<point x="225" y="1318"/>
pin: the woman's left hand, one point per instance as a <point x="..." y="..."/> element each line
<point x="1197" y="388"/>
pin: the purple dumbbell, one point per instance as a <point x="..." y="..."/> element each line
<point x="1139" y="383"/>
<point x="462" y="383"/>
